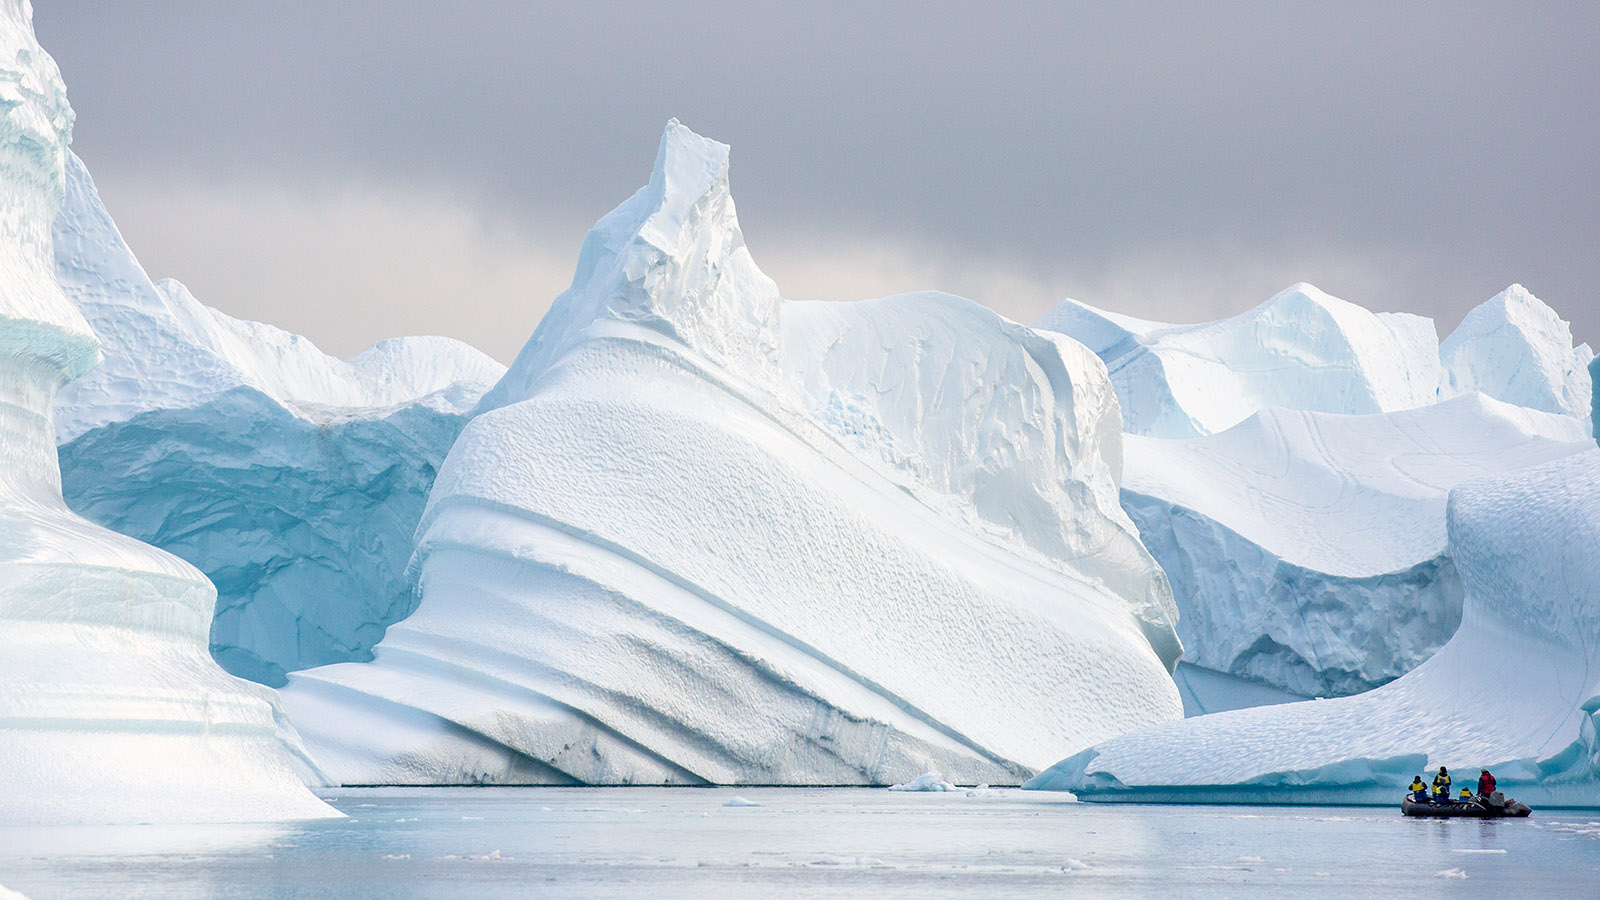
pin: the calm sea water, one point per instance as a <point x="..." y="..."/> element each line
<point x="665" y="843"/>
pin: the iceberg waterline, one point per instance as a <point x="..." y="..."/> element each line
<point x="111" y="708"/>
<point x="724" y="537"/>
<point x="1515" y="689"/>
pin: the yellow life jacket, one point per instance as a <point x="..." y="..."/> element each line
<point x="1465" y="793"/>
<point x="1418" y="785"/>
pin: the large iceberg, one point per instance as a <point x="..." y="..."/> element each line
<point x="1517" y="689"/>
<point x="1307" y="550"/>
<point x="294" y="480"/>
<point x="111" y="709"/>
<point x="1301" y="349"/>
<point x="700" y="533"/>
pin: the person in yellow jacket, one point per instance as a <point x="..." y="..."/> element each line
<point x="1466" y="794"/>
<point x="1441" y="783"/>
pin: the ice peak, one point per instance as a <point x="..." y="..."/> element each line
<point x="1516" y="348"/>
<point x="671" y="259"/>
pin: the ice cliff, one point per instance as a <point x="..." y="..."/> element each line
<point x="294" y="480"/>
<point x="111" y="709"/>
<point x="700" y="533"/>
<point x="1307" y="550"/>
<point x="1517" y="689"/>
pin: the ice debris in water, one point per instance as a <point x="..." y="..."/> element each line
<point x="927" y="781"/>
<point x="740" y="801"/>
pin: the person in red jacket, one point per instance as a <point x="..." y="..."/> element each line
<point x="1485" y="783"/>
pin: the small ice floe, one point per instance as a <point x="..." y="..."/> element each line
<point x="397" y="856"/>
<point x="1498" y="850"/>
<point x="1450" y="873"/>
<point x="740" y="801"/>
<point x="472" y="818"/>
<point x="493" y="855"/>
<point x="983" y="790"/>
<point x="1073" y="865"/>
<point x="927" y="781"/>
<point x="1251" y="859"/>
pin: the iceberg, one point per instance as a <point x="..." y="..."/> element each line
<point x="294" y="480"/>
<point x="702" y="534"/>
<point x="111" y="709"/>
<point x="1516" y="689"/>
<point x="1307" y="551"/>
<point x="1515" y="348"/>
<point x="1302" y="349"/>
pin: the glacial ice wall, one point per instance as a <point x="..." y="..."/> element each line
<point x="1307" y="551"/>
<point x="1516" y="689"/>
<point x="111" y="710"/>
<point x="294" y="480"/>
<point x="699" y="533"/>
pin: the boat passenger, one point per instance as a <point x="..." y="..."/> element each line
<point x="1485" y="783"/>
<point x="1441" y="784"/>
<point x="1419" y="791"/>
<point x="1466" y="794"/>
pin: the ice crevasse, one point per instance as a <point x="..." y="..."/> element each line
<point x="293" y="479"/>
<point x="111" y="709"/>
<point x="699" y="533"/>
<point x="1517" y="689"/>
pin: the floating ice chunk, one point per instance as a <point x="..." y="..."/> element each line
<point x="740" y="801"/>
<point x="927" y="781"/>
<point x="1450" y="873"/>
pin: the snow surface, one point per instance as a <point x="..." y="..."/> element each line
<point x="1301" y="349"/>
<point x="293" y="479"/>
<point x="1516" y="690"/>
<point x="110" y="707"/>
<point x="1515" y="348"/>
<point x="1307" y="551"/>
<point x="699" y="533"/>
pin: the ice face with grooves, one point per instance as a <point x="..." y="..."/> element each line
<point x="1307" y="551"/>
<point x="1516" y="689"/>
<point x="111" y="710"/>
<point x="699" y="533"/>
<point x="293" y="479"/>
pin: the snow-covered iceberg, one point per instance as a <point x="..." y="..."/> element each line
<point x="294" y="480"/>
<point x="111" y="709"/>
<point x="1517" y="689"/>
<point x="1515" y="348"/>
<point x="1307" y="551"/>
<point x="700" y="533"/>
<point x="1301" y="349"/>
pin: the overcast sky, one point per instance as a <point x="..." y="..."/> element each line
<point x="354" y="171"/>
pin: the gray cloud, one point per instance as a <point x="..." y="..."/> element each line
<point x="1171" y="161"/>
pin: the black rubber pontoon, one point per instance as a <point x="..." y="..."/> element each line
<point x="1467" y="809"/>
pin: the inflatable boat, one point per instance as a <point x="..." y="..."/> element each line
<point x="1496" y="807"/>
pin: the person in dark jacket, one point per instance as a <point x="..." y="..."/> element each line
<point x="1485" y="783"/>
<point x="1441" y="784"/>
